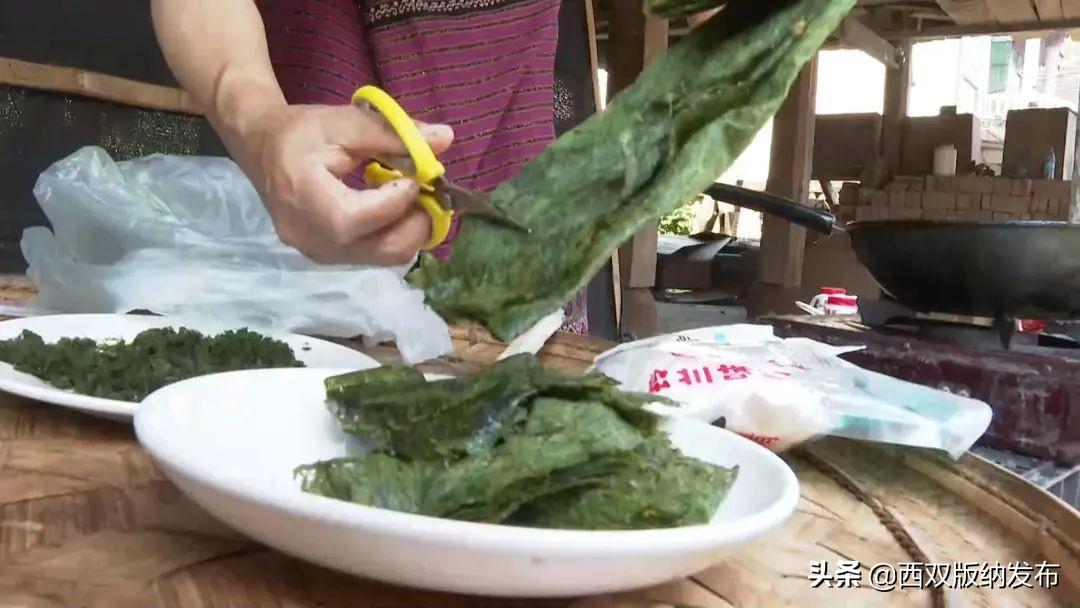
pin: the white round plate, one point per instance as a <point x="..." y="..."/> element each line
<point x="312" y="352"/>
<point x="231" y="442"/>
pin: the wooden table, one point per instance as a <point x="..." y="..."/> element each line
<point x="87" y="520"/>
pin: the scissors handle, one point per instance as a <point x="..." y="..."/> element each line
<point x="428" y="168"/>
<point x="376" y="175"/>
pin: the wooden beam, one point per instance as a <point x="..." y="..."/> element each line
<point x="1012" y="11"/>
<point x="1074" y="193"/>
<point x="782" y="243"/>
<point x="594" y="58"/>
<point x="1049" y="10"/>
<point x="93" y="84"/>
<point x="656" y="38"/>
<point x="965" y="12"/>
<point x="858" y="35"/>
<point x="984" y="29"/>
<point x="1070" y="9"/>
<point x="897" y="87"/>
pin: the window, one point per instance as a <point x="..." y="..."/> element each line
<point x="1001" y="62"/>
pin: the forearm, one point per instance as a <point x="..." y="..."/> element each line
<point x="217" y="50"/>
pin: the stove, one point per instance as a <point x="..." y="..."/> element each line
<point x="1051" y="338"/>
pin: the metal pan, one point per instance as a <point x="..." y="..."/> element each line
<point x="991" y="269"/>
<point x="1023" y="269"/>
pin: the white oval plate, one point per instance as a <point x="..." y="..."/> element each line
<point x="313" y="352"/>
<point x="231" y="441"/>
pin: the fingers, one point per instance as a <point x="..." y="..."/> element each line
<point x="383" y="226"/>
<point x="354" y="214"/>
<point x="364" y="133"/>
<point x="399" y="243"/>
<point x="392" y="246"/>
<point x="301" y="164"/>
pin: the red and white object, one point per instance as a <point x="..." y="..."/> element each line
<point x="841" y="305"/>
<point x="823" y="294"/>
<point x="781" y="392"/>
<point x="835" y="301"/>
<point x="1031" y="326"/>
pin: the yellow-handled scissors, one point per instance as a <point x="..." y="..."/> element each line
<point x="440" y="198"/>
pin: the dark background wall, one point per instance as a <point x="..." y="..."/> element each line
<point x="110" y="36"/>
<point x="37" y="127"/>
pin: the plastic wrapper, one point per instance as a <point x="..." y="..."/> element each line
<point x="782" y="392"/>
<point x="189" y="237"/>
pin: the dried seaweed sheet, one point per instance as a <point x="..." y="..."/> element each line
<point x="446" y="419"/>
<point x="460" y="449"/>
<point x="662" y="489"/>
<point x="661" y="142"/>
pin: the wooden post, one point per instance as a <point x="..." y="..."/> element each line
<point x="638" y="38"/>
<point x="789" y="176"/>
<point x="897" y="87"/>
<point x="594" y="67"/>
<point x="790" y="164"/>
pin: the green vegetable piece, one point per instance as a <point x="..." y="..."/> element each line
<point x="490" y="487"/>
<point x="448" y="419"/>
<point x="377" y="480"/>
<point x="599" y="429"/>
<point x="562" y="445"/>
<point x="662" y="141"/>
<point x="375" y="382"/>
<point x="129" y="371"/>
<point x="408" y="417"/>
<point x="665" y="489"/>
<point x="517" y="444"/>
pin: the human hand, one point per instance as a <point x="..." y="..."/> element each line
<point x="296" y="155"/>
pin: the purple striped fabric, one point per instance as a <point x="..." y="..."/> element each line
<point x="485" y="67"/>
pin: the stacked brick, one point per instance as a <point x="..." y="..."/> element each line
<point x="966" y="197"/>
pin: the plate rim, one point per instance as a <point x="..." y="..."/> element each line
<point x="69" y="399"/>
<point x="472" y="535"/>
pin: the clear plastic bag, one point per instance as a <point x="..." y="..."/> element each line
<point x="782" y="392"/>
<point x="189" y="237"/>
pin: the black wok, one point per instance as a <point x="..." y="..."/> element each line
<point x="1025" y="269"/>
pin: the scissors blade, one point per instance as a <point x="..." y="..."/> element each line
<point x="471" y="202"/>
<point x="402" y="164"/>
<point x="454" y="197"/>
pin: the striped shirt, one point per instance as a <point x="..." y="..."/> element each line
<point x="484" y="67"/>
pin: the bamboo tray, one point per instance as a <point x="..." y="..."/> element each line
<point x="87" y="520"/>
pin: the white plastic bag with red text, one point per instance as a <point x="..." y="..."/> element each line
<point x="782" y="392"/>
